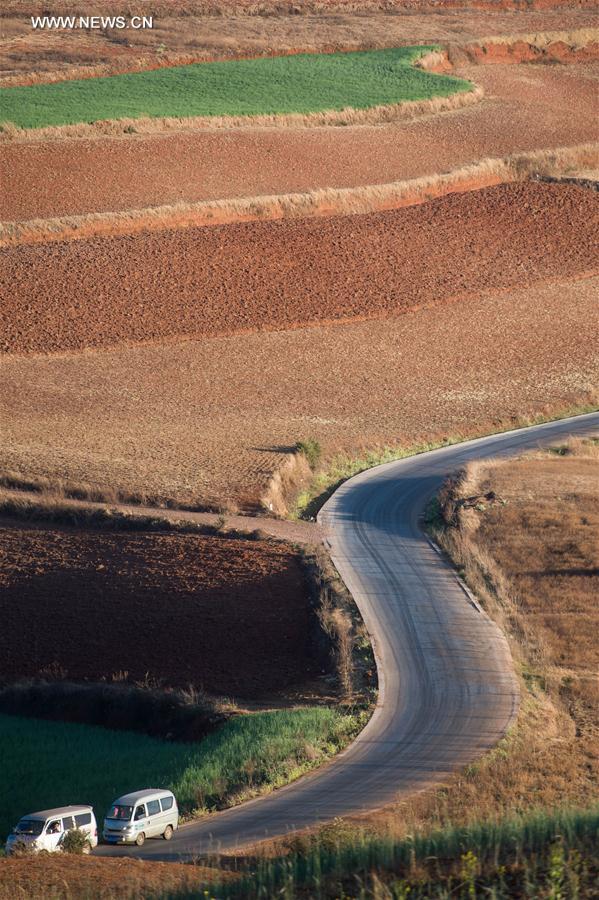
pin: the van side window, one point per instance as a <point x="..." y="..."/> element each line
<point x="166" y="803"/>
<point x="153" y="807"/>
<point x="83" y="819"/>
<point x="67" y="823"/>
<point x="54" y="827"/>
<point x="140" y="812"/>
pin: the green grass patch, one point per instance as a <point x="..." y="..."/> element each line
<point x="49" y="764"/>
<point x="290" y="84"/>
<point x="545" y="854"/>
<point x="342" y="466"/>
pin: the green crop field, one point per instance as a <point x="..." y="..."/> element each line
<point x="48" y="764"/>
<point x="292" y="84"/>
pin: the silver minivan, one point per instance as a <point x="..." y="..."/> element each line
<point x="140" y="815"/>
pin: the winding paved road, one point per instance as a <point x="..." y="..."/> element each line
<point x="447" y="689"/>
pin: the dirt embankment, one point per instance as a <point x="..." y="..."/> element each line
<point x="226" y="279"/>
<point x="530" y="49"/>
<point x="177" y="609"/>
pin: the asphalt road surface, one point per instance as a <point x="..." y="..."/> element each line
<point x="447" y="689"/>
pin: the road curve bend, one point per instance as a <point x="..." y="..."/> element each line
<point x="447" y="688"/>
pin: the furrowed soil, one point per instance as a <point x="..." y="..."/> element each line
<point x="27" y="55"/>
<point x="526" y="108"/>
<point x="211" y="420"/>
<point x="68" y="296"/>
<point x="180" y="609"/>
<point x="65" y="877"/>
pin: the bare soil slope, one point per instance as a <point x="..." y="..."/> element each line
<point x="223" y="279"/>
<point x="526" y="108"/>
<point x="180" y="609"/>
<point x="210" y="420"/>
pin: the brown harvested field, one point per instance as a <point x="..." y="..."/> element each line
<point x="526" y="108"/>
<point x="533" y="561"/>
<point x="181" y="609"/>
<point x="81" y="878"/>
<point x="25" y="52"/>
<point x="210" y="420"/>
<point x="546" y="538"/>
<point x="66" y="296"/>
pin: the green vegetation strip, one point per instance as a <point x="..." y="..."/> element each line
<point x="304" y="83"/>
<point x="544" y="854"/>
<point x="48" y="764"/>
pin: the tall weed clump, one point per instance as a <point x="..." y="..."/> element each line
<point x="340" y="638"/>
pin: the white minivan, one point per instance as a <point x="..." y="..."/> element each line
<point x="46" y="830"/>
<point x="140" y="815"/>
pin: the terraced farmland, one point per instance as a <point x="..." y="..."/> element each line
<point x="183" y="360"/>
<point x="259" y="276"/>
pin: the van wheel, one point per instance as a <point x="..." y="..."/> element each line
<point x="140" y="839"/>
<point x="168" y="833"/>
<point x="87" y="848"/>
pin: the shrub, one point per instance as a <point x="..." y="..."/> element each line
<point x="75" y="842"/>
<point x="311" y="450"/>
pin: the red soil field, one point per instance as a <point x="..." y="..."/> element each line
<point x="66" y="296"/>
<point x="185" y="609"/>
<point x="210" y="420"/>
<point x="526" y="108"/>
<point x="27" y="56"/>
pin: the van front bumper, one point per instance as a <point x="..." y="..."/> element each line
<point x="118" y="837"/>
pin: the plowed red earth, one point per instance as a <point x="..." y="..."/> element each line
<point x="223" y="279"/>
<point x="208" y="421"/>
<point x="526" y="108"/>
<point x="186" y="609"/>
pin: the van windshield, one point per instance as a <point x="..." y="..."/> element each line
<point x="120" y="812"/>
<point x="30" y="826"/>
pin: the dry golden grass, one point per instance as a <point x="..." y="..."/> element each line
<point x="532" y="556"/>
<point x="326" y="201"/>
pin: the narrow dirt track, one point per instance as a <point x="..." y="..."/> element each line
<point x="447" y="690"/>
<point x="255" y="276"/>
<point x="527" y="107"/>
